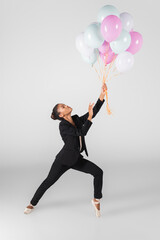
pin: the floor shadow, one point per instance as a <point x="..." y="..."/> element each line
<point x="145" y="198"/>
<point x="136" y="207"/>
<point x="63" y="203"/>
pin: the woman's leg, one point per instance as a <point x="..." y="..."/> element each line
<point x="87" y="166"/>
<point x="57" y="169"/>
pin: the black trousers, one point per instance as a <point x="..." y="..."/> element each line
<point x="57" y="169"/>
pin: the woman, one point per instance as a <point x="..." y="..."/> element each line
<point x="73" y="130"/>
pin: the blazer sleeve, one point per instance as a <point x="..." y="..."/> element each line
<point x="96" y="109"/>
<point x="65" y="129"/>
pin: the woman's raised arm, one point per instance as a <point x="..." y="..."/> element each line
<point x="96" y="109"/>
<point x="98" y="104"/>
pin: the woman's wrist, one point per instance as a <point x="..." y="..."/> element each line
<point x="101" y="97"/>
<point x="89" y="118"/>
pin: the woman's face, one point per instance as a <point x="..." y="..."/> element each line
<point x="63" y="109"/>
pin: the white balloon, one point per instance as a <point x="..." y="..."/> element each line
<point x="92" y="58"/>
<point x="81" y="45"/>
<point x="127" y="21"/>
<point x="124" y="61"/>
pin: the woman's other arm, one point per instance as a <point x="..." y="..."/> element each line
<point x="96" y="109"/>
<point x="97" y="106"/>
<point x="65" y="129"/>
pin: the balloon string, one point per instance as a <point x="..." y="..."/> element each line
<point x="105" y="65"/>
<point x="104" y="80"/>
<point x="105" y="70"/>
<point x="99" y="66"/>
<point x="105" y="73"/>
<point x="114" y="76"/>
<point x="97" y="72"/>
<point x="110" y="66"/>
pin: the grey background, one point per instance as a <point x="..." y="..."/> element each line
<point x="40" y="66"/>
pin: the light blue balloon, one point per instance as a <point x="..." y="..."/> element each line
<point x="92" y="35"/>
<point x="106" y="11"/>
<point x="92" y="58"/>
<point x="121" y="43"/>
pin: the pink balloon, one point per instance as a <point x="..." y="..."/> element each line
<point x="111" y="28"/>
<point x="106" y="52"/>
<point x="107" y="58"/>
<point x="136" y="42"/>
<point x="104" y="47"/>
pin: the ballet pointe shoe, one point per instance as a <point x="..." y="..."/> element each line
<point x="29" y="209"/>
<point x="94" y="203"/>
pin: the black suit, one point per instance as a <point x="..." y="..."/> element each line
<point x="70" y="152"/>
<point x="70" y="157"/>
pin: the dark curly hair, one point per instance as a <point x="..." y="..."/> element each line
<point x="55" y="113"/>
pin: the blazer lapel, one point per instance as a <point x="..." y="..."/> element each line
<point x="78" y="124"/>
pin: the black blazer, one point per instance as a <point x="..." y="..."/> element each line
<point x="70" y="152"/>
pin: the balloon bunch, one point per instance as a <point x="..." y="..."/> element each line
<point x="111" y="38"/>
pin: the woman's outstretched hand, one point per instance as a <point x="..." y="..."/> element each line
<point x="103" y="88"/>
<point x="103" y="91"/>
<point x="90" y="110"/>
